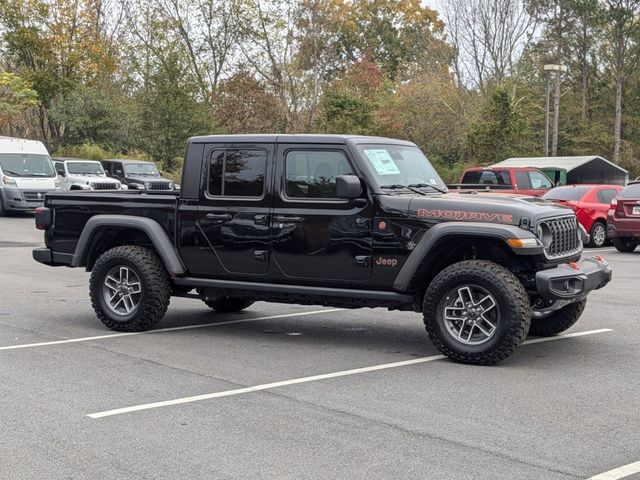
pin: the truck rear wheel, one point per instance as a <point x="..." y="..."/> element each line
<point x="558" y="321"/>
<point x="476" y="312"/>
<point x="625" y="244"/>
<point x="227" y="304"/>
<point x="130" y="288"/>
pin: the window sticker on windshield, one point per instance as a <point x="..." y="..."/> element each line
<point x="382" y="161"/>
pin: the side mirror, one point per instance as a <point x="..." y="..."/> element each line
<point x="348" y="186"/>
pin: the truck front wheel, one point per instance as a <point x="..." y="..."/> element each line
<point x="130" y="288"/>
<point x="476" y="312"/>
<point x="558" y="321"/>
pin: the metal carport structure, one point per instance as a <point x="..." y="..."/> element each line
<point x="573" y="170"/>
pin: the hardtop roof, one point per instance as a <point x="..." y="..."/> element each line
<point x="297" y="138"/>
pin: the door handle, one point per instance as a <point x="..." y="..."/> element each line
<point x="218" y="217"/>
<point x="287" y="219"/>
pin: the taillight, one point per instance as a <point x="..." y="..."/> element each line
<point x="614" y="203"/>
<point x="43" y="218"/>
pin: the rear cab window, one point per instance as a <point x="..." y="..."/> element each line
<point x="487" y="177"/>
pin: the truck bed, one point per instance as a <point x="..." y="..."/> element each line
<point x="74" y="209"/>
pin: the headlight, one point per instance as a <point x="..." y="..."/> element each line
<point x="92" y="185"/>
<point x="171" y="186"/>
<point x="123" y="187"/>
<point x="147" y="185"/>
<point x="56" y="182"/>
<point x="9" y="181"/>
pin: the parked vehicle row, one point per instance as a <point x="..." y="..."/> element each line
<point x="28" y="173"/>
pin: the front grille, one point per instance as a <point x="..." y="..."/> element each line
<point x="34" y="196"/>
<point x="565" y="240"/>
<point x="105" y="186"/>
<point x="158" y="186"/>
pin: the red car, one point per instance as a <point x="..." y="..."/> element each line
<point x="591" y="205"/>
<point x="624" y="219"/>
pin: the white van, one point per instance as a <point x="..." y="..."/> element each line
<point x="26" y="174"/>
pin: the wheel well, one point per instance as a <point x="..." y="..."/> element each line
<point x="108" y="237"/>
<point x="457" y="248"/>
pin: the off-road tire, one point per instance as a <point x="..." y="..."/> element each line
<point x="625" y="244"/>
<point x="228" y="304"/>
<point x="558" y="321"/>
<point x="594" y="227"/>
<point x="512" y="301"/>
<point x="155" y="288"/>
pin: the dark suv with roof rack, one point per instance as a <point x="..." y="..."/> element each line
<point x="329" y="220"/>
<point x="137" y="174"/>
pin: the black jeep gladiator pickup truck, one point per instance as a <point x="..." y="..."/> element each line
<point x="341" y="221"/>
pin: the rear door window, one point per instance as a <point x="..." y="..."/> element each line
<point x="606" y="195"/>
<point x="237" y="173"/>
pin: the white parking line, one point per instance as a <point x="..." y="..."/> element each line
<point x="598" y="250"/>
<point x="170" y="329"/>
<point x="313" y="378"/>
<point x="617" y="473"/>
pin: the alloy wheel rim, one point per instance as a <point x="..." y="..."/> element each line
<point x="471" y="314"/>
<point x="598" y="235"/>
<point x="122" y="290"/>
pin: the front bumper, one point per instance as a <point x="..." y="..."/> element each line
<point x="15" y="200"/>
<point x="573" y="281"/>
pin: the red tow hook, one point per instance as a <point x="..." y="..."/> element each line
<point x="574" y="265"/>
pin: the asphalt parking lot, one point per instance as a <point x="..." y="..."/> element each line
<point x="79" y="401"/>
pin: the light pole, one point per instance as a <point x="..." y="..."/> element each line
<point x="558" y="69"/>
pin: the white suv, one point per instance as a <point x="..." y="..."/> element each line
<point x="79" y="174"/>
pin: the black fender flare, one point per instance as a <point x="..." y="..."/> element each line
<point x="438" y="232"/>
<point x="150" y="227"/>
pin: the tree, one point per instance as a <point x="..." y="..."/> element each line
<point x="243" y="105"/>
<point x="490" y="37"/>
<point x="622" y="54"/>
<point x="395" y="33"/>
<point x="16" y="95"/>
<point x="349" y="103"/>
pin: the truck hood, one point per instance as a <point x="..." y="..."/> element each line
<point x="40" y="184"/>
<point x="142" y="179"/>
<point x="91" y="178"/>
<point x="487" y="208"/>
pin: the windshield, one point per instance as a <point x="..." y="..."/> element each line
<point x="566" y="193"/>
<point x="26" y="165"/>
<point x="141" y="169"/>
<point x="400" y="166"/>
<point x="85" y="168"/>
